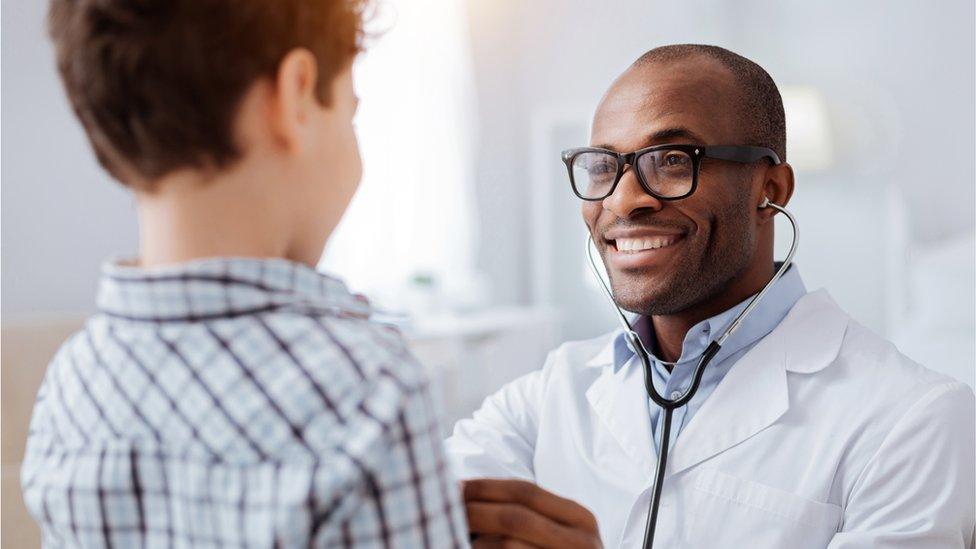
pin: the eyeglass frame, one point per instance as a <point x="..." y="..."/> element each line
<point x="744" y="154"/>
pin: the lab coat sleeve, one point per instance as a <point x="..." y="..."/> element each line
<point x="499" y="440"/>
<point x="918" y="488"/>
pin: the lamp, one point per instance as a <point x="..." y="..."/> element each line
<point x="809" y="147"/>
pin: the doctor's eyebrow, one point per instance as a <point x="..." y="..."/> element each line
<point x="660" y="137"/>
<point x="668" y="134"/>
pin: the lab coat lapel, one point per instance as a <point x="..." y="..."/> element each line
<point x="754" y="393"/>
<point x="751" y="397"/>
<point x="620" y="401"/>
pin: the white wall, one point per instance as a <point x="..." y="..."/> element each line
<point x="61" y="215"/>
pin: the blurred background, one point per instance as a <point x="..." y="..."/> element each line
<point x="465" y="230"/>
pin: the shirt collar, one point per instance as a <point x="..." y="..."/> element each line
<point x="766" y="316"/>
<point x="221" y="288"/>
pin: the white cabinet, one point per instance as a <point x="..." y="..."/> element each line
<point x="471" y="356"/>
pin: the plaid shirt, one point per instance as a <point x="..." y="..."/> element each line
<point x="236" y="403"/>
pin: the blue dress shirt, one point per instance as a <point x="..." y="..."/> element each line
<point x="671" y="384"/>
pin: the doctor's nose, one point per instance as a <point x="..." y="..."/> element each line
<point x="630" y="196"/>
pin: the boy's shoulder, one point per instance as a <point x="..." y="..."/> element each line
<point x="348" y="346"/>
<point x="242" y="388"/>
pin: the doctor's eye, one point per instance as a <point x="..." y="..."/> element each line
<point x="675" y="159"/>
<point x="667" y="163"/>
<point x="602" y="167"/>
<point x="595" y="168"/>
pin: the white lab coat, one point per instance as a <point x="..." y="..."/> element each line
<point x="822" y="435"/>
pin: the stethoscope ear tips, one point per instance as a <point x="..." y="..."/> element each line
<point x="765" y="202"/>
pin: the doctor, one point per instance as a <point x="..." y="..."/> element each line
<point x="807" y="431"/>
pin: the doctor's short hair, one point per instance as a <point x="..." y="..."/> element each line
<point x="761" y="105"/>
<point x="156" y="84"/>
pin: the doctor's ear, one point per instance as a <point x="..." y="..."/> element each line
<point x="777" y="188"/>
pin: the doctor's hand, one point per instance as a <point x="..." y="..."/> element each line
<point x="516" y="513"/>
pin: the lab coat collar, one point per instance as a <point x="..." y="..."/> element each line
<point x="753" y="395"/>
<point x="618" y="398"/>
<point x="811" y="334"/>
<point x="807" y="351"/>
<point x="606" y="353"/>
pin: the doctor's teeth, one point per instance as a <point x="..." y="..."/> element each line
<point x="646" y="243"/>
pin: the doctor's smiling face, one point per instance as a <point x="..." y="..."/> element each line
<point x="666" y="257"/>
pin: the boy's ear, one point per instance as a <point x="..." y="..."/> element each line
<point x="295" y="99"/>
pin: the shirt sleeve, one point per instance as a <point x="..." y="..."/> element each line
<point x="499" y="440"/>
<point x="918" y="488"/>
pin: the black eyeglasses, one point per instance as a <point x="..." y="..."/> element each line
<point x="666" y="172"/>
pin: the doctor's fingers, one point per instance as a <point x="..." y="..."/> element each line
<point x="498" y="542"/>
<point x="532" y="496"/>
<point x="521" y="523"/>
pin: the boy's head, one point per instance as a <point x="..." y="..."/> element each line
<point x="218" y="89"/>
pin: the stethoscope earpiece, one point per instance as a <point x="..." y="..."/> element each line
<point x="765" y="202"/>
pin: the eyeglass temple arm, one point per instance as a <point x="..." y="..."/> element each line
<point x="740" y="154"/>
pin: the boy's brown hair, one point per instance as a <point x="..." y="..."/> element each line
<point x="157" y="83"/>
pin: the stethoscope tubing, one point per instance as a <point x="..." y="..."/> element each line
<point x="714" y="346"/>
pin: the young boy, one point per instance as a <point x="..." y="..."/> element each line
<point x="227" y="394"/>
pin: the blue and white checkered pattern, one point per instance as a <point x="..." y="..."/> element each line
<point x="236" y="403"/>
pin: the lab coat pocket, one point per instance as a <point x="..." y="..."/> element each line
<point x="735" y="512"/>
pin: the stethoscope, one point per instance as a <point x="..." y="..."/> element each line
<point x="669" y="405"/>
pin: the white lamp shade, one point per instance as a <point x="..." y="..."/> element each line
<point x="809" y="146"/>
